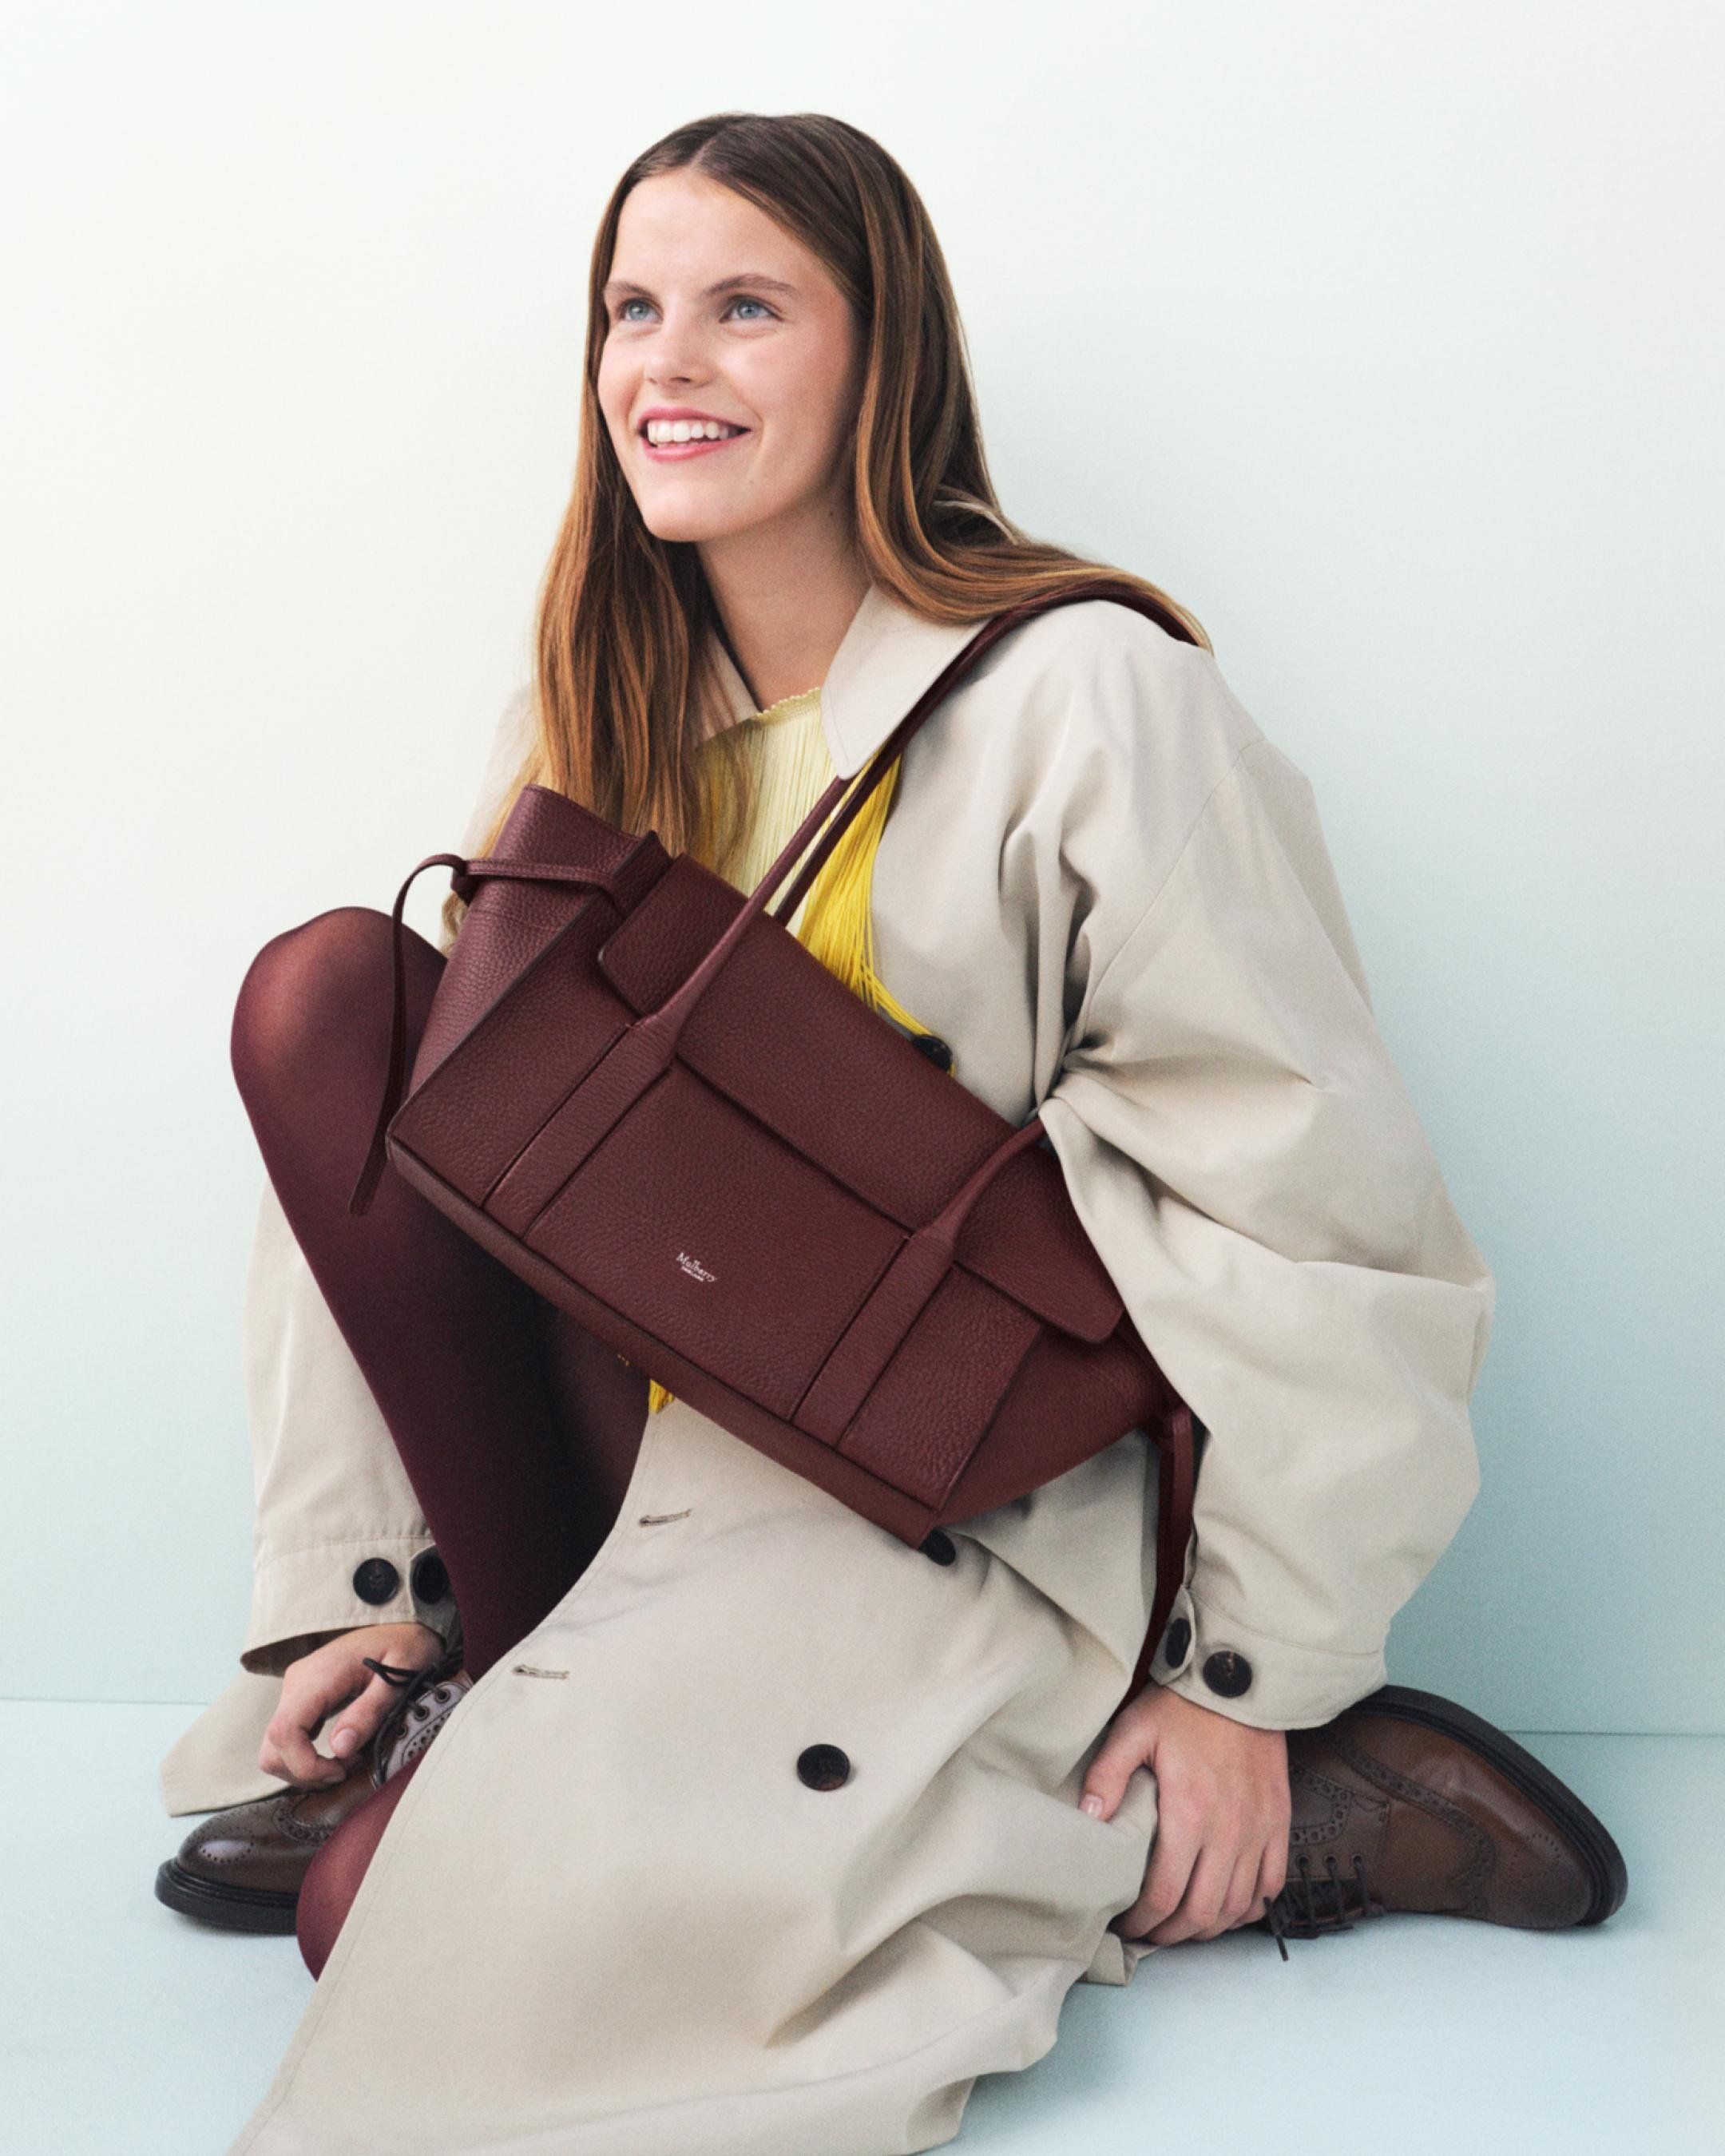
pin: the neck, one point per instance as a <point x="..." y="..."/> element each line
<point x="786" y="594"/>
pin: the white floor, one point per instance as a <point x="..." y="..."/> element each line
<point x="126" y="2030"/>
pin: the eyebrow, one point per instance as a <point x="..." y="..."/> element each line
<point x="618" y="286"/>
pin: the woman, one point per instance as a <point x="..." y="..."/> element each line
<point x="745" y="1827"/>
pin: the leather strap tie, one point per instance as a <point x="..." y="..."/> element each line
<point x="464" y="879"/>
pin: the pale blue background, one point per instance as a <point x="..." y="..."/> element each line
<point x="1388" y="338"/>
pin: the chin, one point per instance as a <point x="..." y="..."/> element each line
<point x="689" y="526"/>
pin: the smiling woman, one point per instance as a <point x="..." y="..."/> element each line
<point x="781" y="277"/>
<point x="777" y="352"/>
<point x="749" y="1830"/>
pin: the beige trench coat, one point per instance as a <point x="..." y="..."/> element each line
<point x="1109" y="892"/>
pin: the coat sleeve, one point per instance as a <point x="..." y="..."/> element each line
<point x="335" y="1510"/>
<point x="1250" y="1169"/>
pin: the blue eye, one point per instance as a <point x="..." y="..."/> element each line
<point x="742" y="300"/>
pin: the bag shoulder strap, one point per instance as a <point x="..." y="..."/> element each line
<point x="465" y="871"/>
<point x="961" y="664"/>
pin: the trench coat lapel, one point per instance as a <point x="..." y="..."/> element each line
<point x="887" y="658"/>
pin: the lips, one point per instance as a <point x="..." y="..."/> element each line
<point x="684" y="413"/>
<point x="695" y="443"/>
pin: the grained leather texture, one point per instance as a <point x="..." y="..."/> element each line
<point x="891" y="1125"/>
<point x="709" y="1213"/>
<point x="682" y="1128"/>
<point x="498" y="1088"/>
<point x="703" y="1227"/>
<point x="509" y="922"/>
<point x="928" y="1411"/>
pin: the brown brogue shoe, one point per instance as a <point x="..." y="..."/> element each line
<point x="1408" y="1802"/>
<point x="241" y="1869"/>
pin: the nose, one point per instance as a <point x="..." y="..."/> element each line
<point x="674" y="355"/>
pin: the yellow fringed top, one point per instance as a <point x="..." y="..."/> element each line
<point x="786" y="747"/>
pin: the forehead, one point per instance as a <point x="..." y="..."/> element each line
<point x="684" y="224"/>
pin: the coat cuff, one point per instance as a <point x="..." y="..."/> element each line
<point x="1212" y="1660"/>
<point x="212" y="1765"/>
<point x="301" y="1598"/>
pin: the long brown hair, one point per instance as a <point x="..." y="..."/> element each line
<point x="623" y="617"/>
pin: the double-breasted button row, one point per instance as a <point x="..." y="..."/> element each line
<point x="823" y="1766"/>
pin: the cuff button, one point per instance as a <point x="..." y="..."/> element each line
<point x="1175" y="1641"/>
<point x="1228" y="1674"/>
<point x="375" y="1580"/>
<point x="430" y="1580"/>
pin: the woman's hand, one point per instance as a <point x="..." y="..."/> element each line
<point x="1222" y="1814"/>
<point x="331" y="1678"/>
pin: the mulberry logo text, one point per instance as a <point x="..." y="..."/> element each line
<point x="694" y="1267"/>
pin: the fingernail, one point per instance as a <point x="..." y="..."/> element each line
<point x="1093" y="1805"/>
<point x="344" y="1741"/>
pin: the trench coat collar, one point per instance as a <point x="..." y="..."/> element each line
<point x="886" y="660"/>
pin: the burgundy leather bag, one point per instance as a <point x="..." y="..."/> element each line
<point x="641" y="1093"/>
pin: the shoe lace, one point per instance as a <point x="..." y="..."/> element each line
<point x="411" y="1703"/>
<point x="1308" y="1906"/>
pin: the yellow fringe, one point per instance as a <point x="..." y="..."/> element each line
<point x="837" y="928"/>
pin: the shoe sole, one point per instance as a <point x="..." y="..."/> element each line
<point x="1586" y="1834"/>
<point x="229" y="1908"/>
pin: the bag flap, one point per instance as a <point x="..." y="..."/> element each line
<point x="792" y="1045"/>
<point x="1024" y="1237"/>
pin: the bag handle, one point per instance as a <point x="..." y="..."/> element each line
<point x="950" y="676"/>
<point x="656" y="1036"/>
<point x="667" y="1021"/>
<point x="647" y="1047"/>
<point x="660" y="1032"/>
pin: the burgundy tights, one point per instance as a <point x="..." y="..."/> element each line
<point x="517" y="1428"/>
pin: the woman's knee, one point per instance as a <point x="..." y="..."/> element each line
<point x="314" y="985"/>
<point x="303" y="981"/>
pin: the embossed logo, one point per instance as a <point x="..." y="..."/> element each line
<point x="694" y="1267"/>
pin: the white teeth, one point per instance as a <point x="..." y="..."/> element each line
<point x="661" y="431"/>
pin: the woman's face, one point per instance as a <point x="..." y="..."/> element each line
<point x="714" y="313"/>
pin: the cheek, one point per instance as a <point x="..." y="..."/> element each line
<point x="804" y="424"/>
<point x="830" y="407"/>
<point x="614" y="388"/>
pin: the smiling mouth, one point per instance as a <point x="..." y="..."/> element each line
<point x="676" y="441"/>
<point x="668" y="434"/>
